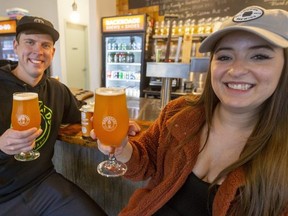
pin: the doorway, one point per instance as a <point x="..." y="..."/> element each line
<point x="76" y="56"/>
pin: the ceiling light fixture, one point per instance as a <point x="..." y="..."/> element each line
<point x="75" y="16"/>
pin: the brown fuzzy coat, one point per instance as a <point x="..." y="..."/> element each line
<point x="155" y="156"/>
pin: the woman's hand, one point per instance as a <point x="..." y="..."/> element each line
<point x="134" y="128"/>
<point x="124" y="151"/>
<point x="13" y="142"/>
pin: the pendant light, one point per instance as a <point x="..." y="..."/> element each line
<point x="75" y="16"/>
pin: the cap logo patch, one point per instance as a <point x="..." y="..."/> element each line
<point x="38" y="21"/>
<point x="248" y="15"/>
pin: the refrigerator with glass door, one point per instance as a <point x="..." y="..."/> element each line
<point x="125" y="49"/>
<point x="7" y="35"/>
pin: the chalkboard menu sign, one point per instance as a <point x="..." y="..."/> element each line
<point x="143" y="3"/>
<point x="197" y="9"/>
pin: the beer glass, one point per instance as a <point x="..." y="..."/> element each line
<point x="25" y="115"/>
<point x="111" y="122"/>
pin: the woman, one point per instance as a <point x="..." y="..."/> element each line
<point x="224" y="153"/>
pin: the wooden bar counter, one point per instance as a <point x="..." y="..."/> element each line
<point x="77" y="158"/>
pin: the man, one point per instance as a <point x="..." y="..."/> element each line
<point x="34" y="187"/>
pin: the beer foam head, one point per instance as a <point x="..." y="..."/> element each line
<point x="110" y="91"/>
<point x="25" y="95"/>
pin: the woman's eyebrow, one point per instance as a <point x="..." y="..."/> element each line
<point x="262" y="47"/>
<point x="252" y="47"/>
<point x="222" y="48"/>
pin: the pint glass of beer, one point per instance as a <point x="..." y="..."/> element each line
<point x="25" y="115"/>
<point x="110" y="123"/>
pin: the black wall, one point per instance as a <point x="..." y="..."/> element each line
<point x="197" y="9"/>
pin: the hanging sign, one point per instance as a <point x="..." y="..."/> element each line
<point x="7" y="26"/>
<point x="123" y="23"/>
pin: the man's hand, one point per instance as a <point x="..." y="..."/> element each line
<point x="13" y="142"/>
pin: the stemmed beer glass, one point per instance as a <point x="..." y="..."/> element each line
<point x="25" y="115"/>
<point x="111" y="122"/>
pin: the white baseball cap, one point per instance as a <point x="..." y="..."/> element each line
<point x="271" y="25"/>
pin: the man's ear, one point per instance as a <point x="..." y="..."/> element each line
<point x="15" y="45"/>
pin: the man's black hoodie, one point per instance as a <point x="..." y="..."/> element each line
<point x="57" y="106"/>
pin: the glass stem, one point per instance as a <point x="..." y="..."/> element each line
<point x="111" y="157"/>
<point x="111" y="154"/>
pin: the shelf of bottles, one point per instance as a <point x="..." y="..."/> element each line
<point x="123" y="60"/>
<point x="7" y="49"/>
<point x="198" y="30"/>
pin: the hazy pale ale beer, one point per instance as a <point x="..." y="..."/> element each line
<point x="110" y="120"/>
<point x="25" y="111"/>
<point x="25" y="115"/>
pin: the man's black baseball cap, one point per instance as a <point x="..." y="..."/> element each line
<point x="37" y="23"/>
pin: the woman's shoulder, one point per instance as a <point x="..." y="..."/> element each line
<point x="181" y="102"/>
<point x="181" y="108"/>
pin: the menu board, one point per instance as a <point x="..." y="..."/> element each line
<point x="197" y="9"/>
<point x="143" y="3"/>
